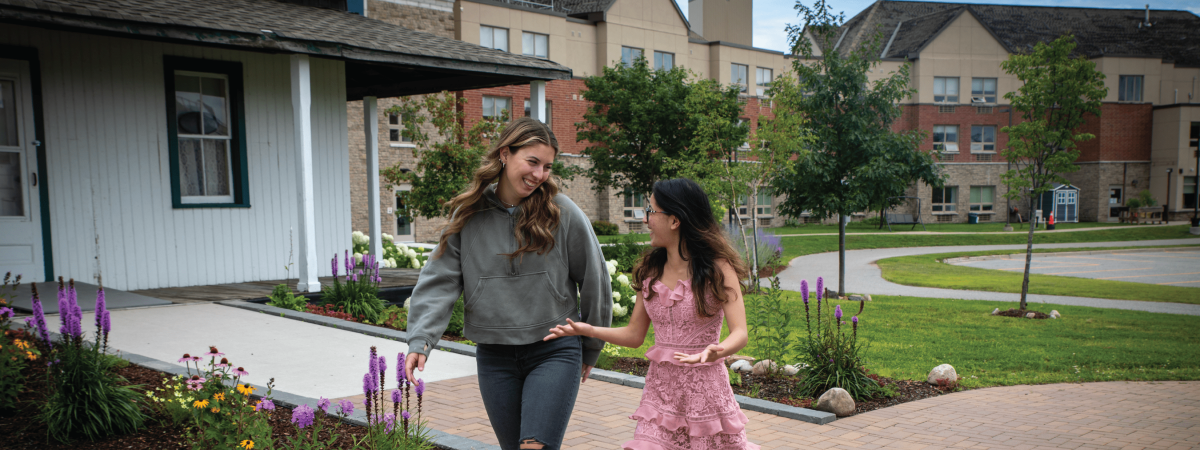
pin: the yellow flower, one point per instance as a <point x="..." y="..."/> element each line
<point x="31" y="356"/>
<point x="21" y="344"/>
<point x="247" y="444"/>
<point x="200" y="404"/>
<point x="245" y="389"/>
<point x="216" y="410"/>
<point x="219" y="396"/>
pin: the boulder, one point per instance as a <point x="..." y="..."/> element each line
<point x="868" y="296"/>
<point x="764" y="366"/>
<point x="830" y="293"/>
<point x="942" y="372"/>
<point x="1054" y="314"/>
<point x="836" y="401"/>
<point x="1031" y="316"/>
<point x="736" y="358"/>
<point x="996" y="312"/>
<point x="741" y="366"/>
<point x="791" y="370"/>
<point x="857" y="298"/>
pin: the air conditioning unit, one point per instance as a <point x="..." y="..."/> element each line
<point x="978" y="100"/>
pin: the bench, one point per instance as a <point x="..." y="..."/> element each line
<point x="902" y="219"/>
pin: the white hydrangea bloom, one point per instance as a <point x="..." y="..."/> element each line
<point x="616" y="296"/>
<point x="618" y="310"/>
<point x="387" y="237"/>
<point x="357" y="237"/>
<point x="392" y="263"/>
<point x="406" y="302"/>
<point x="401" y="247"/>
<point x="415" y="262"/>
<point x="624" y="280"/>
<point x="358" y="258"/>
<point x="612" y="267"/>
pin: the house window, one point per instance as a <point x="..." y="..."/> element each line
<point x="763" y="208"/>
<point x="945" y="138"/>
<point x="1130" y="88"/>
<point x="944" y="199"/>
<point x="629" y="55"/>
<point x="528" y="112"/>
<point x="664" y="61"/>
<point x="945" y="89"/>
<point x="534" y="44"/>
<point x="492" y="37"/>
<point x="1189" y="192"/>
<point x="494" y="107"/>
<point x="983" y="138"/>
<point x="982" y="198"/>
<point x="983" y="90"/>
<point x="634" y="204"/>
<point x="762" y="80"/>
<point x="396" y="128"/>
<point x="739" y="74"/>
<point x="205" y="131"/>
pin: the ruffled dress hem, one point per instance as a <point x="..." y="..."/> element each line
<point x="641" y="444"/>
<point x="729" y="424"/>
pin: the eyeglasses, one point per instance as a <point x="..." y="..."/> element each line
<point x="650" y="210"/>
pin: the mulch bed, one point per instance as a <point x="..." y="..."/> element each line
<point x="1021" y="313"/>
<point x="20" y="432"/>
<point x="782" y="389"/>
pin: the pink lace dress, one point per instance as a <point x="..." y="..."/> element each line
<point x="685" y="406"/>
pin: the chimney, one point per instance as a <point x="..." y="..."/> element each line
<point x="1147" y="15"/>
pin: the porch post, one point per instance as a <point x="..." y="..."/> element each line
<point x="302" y="127"/>
<point x="371" y="129"/>
<point x="537" y="100"/>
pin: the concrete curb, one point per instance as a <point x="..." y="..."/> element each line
<point x="753" y="404"/>
<point x="966" y="259"/>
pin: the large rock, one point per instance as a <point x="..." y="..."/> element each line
<point x="742" y="366"/>
<point x="764" y="366"/>
<point x="736" y="358"/>
<point x="836" y="401"/>
<point x="942" y="372"/>
<point x="791" y="370"/>
<point x="1054" y="314"/>
<point x="996" y="312"/>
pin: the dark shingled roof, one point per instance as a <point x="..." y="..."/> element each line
<point x="1173" y="35"/>
<point x="377" y="53"/>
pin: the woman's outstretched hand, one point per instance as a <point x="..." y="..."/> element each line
<point x="572" y="328"/>
<point x="411" y="361"/>
<point x="708" y="355"/>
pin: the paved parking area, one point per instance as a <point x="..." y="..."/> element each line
<point x="1172" y="267"/>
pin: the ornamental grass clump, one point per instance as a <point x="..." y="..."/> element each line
<point x="218" y="410"/>
<point x="768" y="323"/>
<point x="832" y="350"/>
<point x="87" y="399"/>
<point x="398" y="429"/>
<point x="358" y="293"/>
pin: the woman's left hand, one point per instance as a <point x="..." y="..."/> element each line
<point x="587" y="371"/>
<point x="709" y="354"/>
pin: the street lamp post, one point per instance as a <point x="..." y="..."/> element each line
<point x="1167" y="199"/>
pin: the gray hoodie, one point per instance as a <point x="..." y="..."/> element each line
<point x="517" y="301"/>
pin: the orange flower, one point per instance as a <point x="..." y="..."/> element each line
<point x="219" y="396"/>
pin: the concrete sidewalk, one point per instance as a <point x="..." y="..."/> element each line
<point x="864" y="277"/>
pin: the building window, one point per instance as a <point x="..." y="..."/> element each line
<point x="492" y="37"/>
<point x="629" y="55"/>
<point x="944" y="199"/>
<point x="763" y="208"/>
<point x="205" y="131"/>
<point x="983" y="90"/>
<point x="945" y="89"/>
<point x="1130" y="88"/>
<point x="1189" y="192"/>
<point x="396" y="128"/>
<point x="762" y="80"/>
<point x="529" y="112"/>
<point x="982" y="198"/>
<point x="983" y="138"/>
<point x="494" y="107"/>
<point x="739" y="74"/>
<point x="945" y="138"/>
<point x="664" y="61"/>
<point x="1194" y="138"/>
<point x="534" y="44"/>
<point x="634" y="204"/>
<point x="403" y="226"/>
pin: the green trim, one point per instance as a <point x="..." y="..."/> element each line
<point x="30" y="55"/>
<point x="237" y="107"/>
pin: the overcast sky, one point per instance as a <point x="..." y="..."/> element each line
<point x="771" y="16"/>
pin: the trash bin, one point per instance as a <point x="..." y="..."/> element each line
<point x="972" y="218"/>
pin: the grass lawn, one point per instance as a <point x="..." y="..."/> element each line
<point x="908" y="336"/>
<point x="927" y="270"/>
<point x="985" y="227"/>
<point x="806" y="245"/>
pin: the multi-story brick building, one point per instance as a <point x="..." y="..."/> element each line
<point x="585" y="35"/>
<point x="1151" y="61"/>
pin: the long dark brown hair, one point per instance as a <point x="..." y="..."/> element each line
<point x="701" y="243"/>
<point x="539" y="214"/>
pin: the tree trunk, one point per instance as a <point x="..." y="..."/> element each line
<point x="754" y="250"/>
<point x="841" y="254"/>
<point x="1028" y="254"/>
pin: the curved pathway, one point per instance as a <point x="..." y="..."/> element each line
<point x="864" y="277"/>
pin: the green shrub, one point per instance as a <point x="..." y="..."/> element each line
<point x="394" y="317"/>
<point x="457" y="319"/>
<point x="605" y="228"/>
<point x="357" y="294"/>
<point x="282" y="297"/>
<point x="873" y="221"/>
<point x="833" y="355"/>
<point x="626" y="251"/>
<point x="87" y="398"/>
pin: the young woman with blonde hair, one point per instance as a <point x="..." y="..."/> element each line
<point x="524" y="258"/>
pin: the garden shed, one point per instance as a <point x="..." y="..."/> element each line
<point x="1063" y="201"/>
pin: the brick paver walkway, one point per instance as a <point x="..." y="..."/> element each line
<point x="1113" y="415"/>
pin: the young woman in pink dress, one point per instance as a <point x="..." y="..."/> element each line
<point x="690" y="281"/>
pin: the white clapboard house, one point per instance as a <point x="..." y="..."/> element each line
<point x="164" y="143"/>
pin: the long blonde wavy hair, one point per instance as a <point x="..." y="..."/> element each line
<point x="539" y="214"/>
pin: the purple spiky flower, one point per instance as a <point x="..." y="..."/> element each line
<point x="804" y="290"/>
<point x="820" y="289"/>
<point x="101" y="309"/>
<point x="400" y="369"/>
<point x="837" y="312"/>
<point x="420" y="388"/>
<point x="334" y="264"/>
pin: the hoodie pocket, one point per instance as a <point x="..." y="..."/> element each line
<point x="515" y="302"/>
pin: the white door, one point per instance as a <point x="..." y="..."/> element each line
<point x="20" y="213"/>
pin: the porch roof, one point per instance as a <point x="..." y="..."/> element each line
<point x="382" y="60"/>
